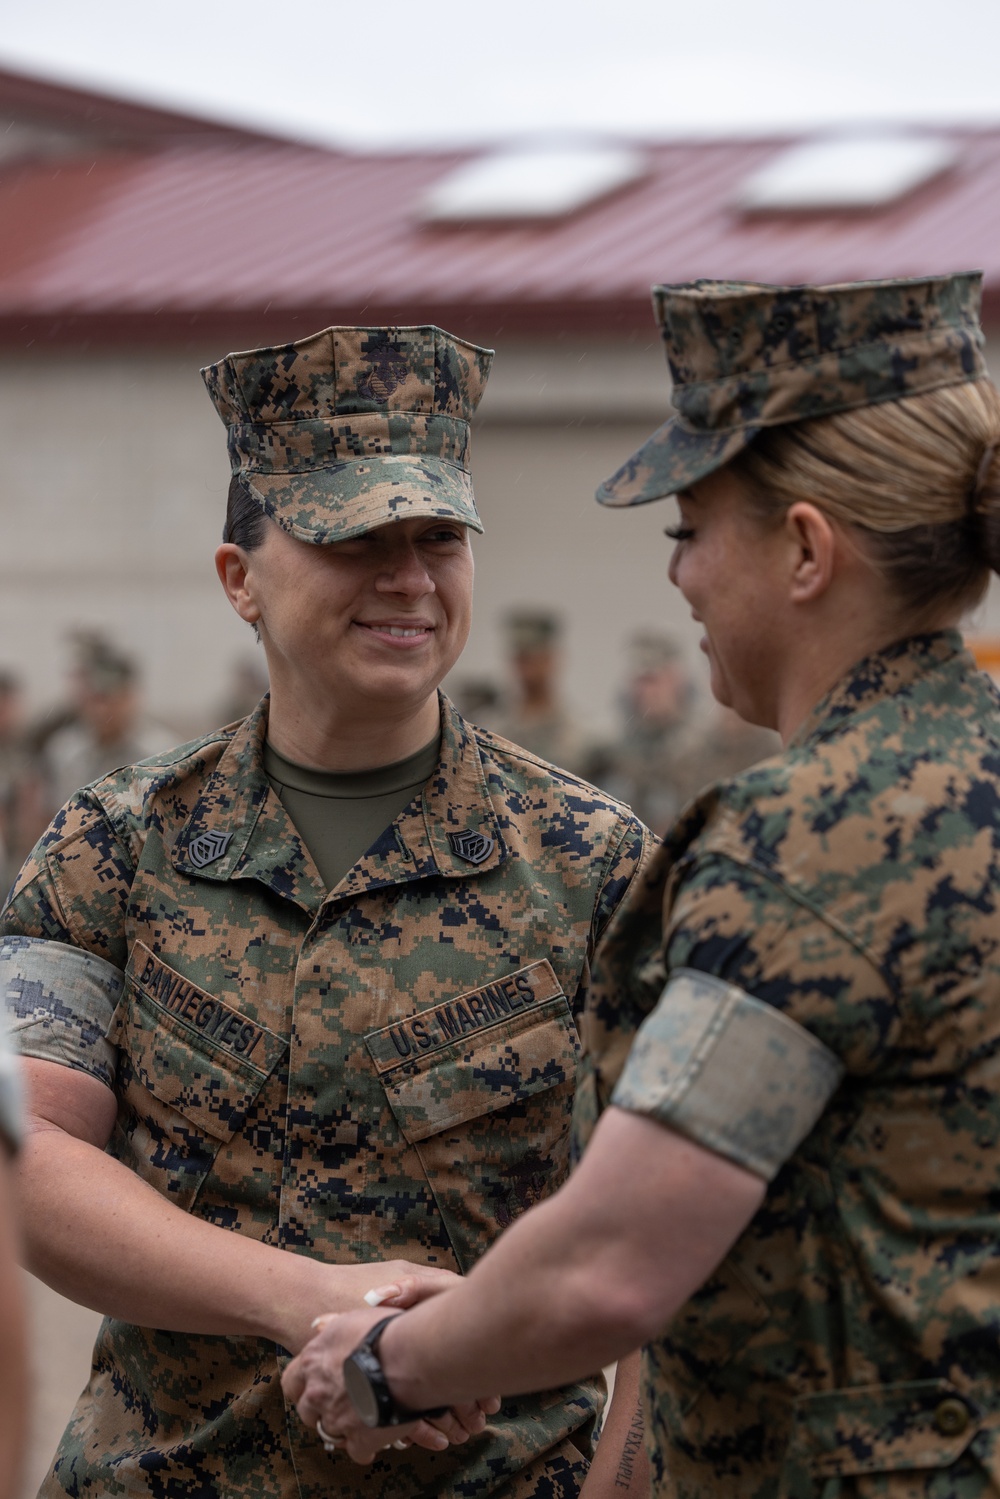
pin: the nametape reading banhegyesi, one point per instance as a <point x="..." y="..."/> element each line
<point x="209" y="1016"/>
<point x="467" y="1015"/>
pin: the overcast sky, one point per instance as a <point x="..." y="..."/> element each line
<point x="397" y="72"/>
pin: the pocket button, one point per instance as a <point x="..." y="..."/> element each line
<point x="951" y="1417"/>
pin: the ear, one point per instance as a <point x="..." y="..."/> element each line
<point x="233" y="567"/>
<point x="814" y="552"/>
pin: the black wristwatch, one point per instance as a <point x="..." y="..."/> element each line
<point x="368" y="1387"/>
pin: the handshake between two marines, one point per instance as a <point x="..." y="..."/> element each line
<point x="316" y="1010"/>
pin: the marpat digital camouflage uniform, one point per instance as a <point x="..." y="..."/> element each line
<point x="383" y="1071"/>
<point x="817" y="950"/>
<point x="808" y="983"/>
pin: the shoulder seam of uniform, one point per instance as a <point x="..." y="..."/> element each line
<point x="630" y="826"/>
<point x="106" y="792"/>
<point x="174" y="756"/>
<point x="121" y="834"/>
<point x="798" y="899"/>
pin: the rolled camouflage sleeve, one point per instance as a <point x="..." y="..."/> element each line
<point x="62" y="942"/>
<point x="59" y="1002"/>
<point x="728" y="1071"/>
<point x="765" y="1008"/>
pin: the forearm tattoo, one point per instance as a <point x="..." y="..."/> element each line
<point x="630" y="1450"/>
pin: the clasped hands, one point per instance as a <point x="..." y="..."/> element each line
<point x="314" y="1379"/>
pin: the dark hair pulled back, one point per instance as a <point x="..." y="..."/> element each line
<point x="246" y="523"/>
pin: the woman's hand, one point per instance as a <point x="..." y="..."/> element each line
<point x="405" y="1284"/>
<point x="317" y="1290"/>
<point x="314" y="1381"/>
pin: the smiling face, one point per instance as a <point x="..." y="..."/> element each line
<point x="364" y="628"/>
<point x="732" y="570"/>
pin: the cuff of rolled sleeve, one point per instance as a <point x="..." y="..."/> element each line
<point x="59" y="1002"/>
<point x="728" y="1071"/>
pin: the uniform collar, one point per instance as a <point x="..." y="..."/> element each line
<point x="454" y="812"/>
<point x="240" y="830"/>
<point x="882" y="675"/>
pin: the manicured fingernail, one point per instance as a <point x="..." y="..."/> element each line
<point x="322" y="1319"/>
<point x="401" y="1445"/>
<point x="379" y="1294"/>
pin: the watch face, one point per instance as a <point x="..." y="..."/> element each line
<point x="358" y="1385"/>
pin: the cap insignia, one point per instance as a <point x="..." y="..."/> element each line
<point x="388" y="370"/>
<point x="208" y="847"/>
<point x="474" y="847"/>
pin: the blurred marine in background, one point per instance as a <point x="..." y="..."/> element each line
<point x="668" y="750"/>
<point x="104" y="725"/>
<point x="535" y="715"/>
<point x="656" y="703"/>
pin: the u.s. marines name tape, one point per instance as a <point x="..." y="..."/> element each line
<point x="474" y="1011"/>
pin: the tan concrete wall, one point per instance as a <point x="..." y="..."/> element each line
<point x="113" y="484"/>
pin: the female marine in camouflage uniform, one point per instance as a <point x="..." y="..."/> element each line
<point x="792" y="1193"/>
<point x="299" y="997"/>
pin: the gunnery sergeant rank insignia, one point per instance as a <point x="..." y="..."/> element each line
<point x="472" y="846"/>
<point x="208" y="847"/>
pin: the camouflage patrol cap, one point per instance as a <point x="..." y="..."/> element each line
<point x="531" y="630"/>
<point x="99" y="665"/>
<point x="651" y="652"/>
<point x="352" y="428"/>
<point x="745" y="356"/>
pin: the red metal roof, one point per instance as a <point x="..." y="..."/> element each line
<point x="259" y="240"/>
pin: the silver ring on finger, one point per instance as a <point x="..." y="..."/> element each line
<point x="330" y="1443"/>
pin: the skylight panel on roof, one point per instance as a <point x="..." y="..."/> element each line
<point x="857" y="171"/>
<point x="530" y="182"/>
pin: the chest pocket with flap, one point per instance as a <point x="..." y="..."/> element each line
<point x="482" y="1087"/>
<point x="190" y="1069"/>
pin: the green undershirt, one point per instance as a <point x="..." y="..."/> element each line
<point x="339" y="816"/>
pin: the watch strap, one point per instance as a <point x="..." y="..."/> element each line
<point x="365" y="1360"/>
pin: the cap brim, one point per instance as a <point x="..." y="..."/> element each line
<point x="346" y="499"/>
<point x="673" y="458"/>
